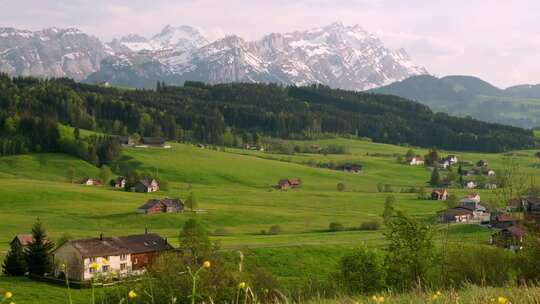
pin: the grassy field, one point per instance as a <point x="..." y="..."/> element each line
<point x="234" y="186"/>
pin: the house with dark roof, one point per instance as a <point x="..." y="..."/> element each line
<point x="116" y="257"/>
<point x="91" y="182"/>
<point x="153" y="141"/>
<point x="351" y="168"/>
<point x="439" y="194"/>
<point x="457" y="215"/>
<point x="165" y="205"/>
<point x="120" y="182"/>
<point x="146" y="185"/>
<point x="22" y="240"/>
<point x="284" y="184"/>
<point x="510" y="237"/>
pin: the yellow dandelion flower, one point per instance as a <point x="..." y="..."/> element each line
<point x="11" y="302"/>
<point x="94" y="266"/>
<point x="206" y="264"/>
<point x="242" y="285"/>
<point x="377" y="299"/>
<point x="132" y="294"/>
<point x="104" y="261"/>
<point x="502" y="300"/>
<point x="8" y="295"/>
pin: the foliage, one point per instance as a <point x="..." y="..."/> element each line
<point x="105" y="174"/>
<point x="529" y="259"/>
<point x="15" y="261"/>
<point x="192" y="202"/>
<point x="194" y="241"/>
<point x="388" y="212"/>
<point x="370" y="225"/>
<point x="275" y="229"/>
<point x="451" y="201"/>
<point x="38" y="251"/>
<point x="435" y="179"/>
<point x="409" y="253"/>
<point x="363" y="271"/>
<point x="340" y="187"/>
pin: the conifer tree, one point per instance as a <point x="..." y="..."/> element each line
<point x="38" y="251"/>
<point x="14" y="262"/>
<point x="435" y="177"/>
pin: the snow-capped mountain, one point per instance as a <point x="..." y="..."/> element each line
<point x="51" y="52"/>
<point x="336" y="55"/>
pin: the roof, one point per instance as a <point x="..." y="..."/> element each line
<point x="24" y="239"/>
<point x="439" y="191"/>
<point x="168" y="202"/>
<point x="516" y="230"/>
<point x="130" y="244"/>
<point x="458" y="211"/>
<point x="504" y="218"/>
<point x="147" y="182"/>
<point x="153" y="140"/>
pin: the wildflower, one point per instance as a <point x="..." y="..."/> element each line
<point x="242" y="285"/>
<point x="132" y="294"/>
<point x="377" y="299"/>
<point x="206" y="264"/>
<point x="502" y="300"/>
<point x="8" y="295"/>
<point x="436" y="295"/>
<point x="104" y="261"/>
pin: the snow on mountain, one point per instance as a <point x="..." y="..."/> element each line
<point x="336" y="55"/>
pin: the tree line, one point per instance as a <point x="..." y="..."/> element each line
<point x="232" y="114"/>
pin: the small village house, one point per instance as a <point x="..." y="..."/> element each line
<point x="471" y="185"/>
<point x="457" y="215"/>
<point x="147" y="185"/>
<point x="489" y="172"/>
<point x="91" y="182"/>
<point x="471" y="197"/>
<point x="510" y="237"/>
<point x="120" y="182"/>
<point x="351" y="168"/>
<point x="165" y="205"/>
<point x="22" y="240"/>
<point x="502" y="221"/>
<point x="415" y="160"/>
<point x="452" y="159"/>
<point x="284" y="184"/>
<point x="118" y="257"/>
<point x="439" y="194"/>
<point x="444" y="164"/>
<point x="153" y="141"/>
<point x="481" y="163"/>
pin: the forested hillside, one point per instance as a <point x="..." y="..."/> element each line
<point x="227" y="114"/>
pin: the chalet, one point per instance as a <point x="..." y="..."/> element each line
<point x="444" y="164"/>
<point x="165" y="205"/>
<point x="91" y="182"/>
<point x="531" y="210"/>
<point x="415" y="161"/>
<point x="351" y="168"/>
<point x="502" y="221"/>
<point x="125" y="141"/>
<point x="457" y="215"/>
<point x="120" y="182"/>
<point x="481" y="163"/>
<point x="452" y="159"/>
<point x="524" y="203"/>
<point x="153" y="141"/>
<point x="489" y="172"/>
<point x="147" y="185"/>
<point x="117" y="257"/>
<point x="285" y="184"/>
<point x="490" y="186"/>
<point x="471" y="197"/>
<point x="510" y="237"/>
<point x="471" y="184"/>
<point x="439" y="194"/>
<point x="479" y="212"/>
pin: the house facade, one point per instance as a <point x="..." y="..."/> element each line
<point x="110" y="257"/>
<point x="165" y="205"/>
<point x="91" y="182"/>
<point x="147" y="185"/>
<point x="415" y="161"/>
<point x="439" y="194"/>
<point x="284" y="184"/>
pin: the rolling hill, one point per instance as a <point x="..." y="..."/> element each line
<point x="471" y="96"/>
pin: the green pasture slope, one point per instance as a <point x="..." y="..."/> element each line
<point x="234" y="186"/>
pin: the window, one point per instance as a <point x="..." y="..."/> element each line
<point x="91" y="270"/>
<point x="92" y="260"/>
<point x="105" y="268"/>
<point x="123" y="266"/>
<point x="123" y="257"/>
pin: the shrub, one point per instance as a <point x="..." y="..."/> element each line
<point x="335" y="226"/>
<point x="371" y="225"/>
<point x="275" y="229"/>
<point x="221" y="232"/>
<point x="340" y="187"/>
<point x="362" y="271"/>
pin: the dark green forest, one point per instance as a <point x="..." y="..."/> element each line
<point x="31" y="109"/>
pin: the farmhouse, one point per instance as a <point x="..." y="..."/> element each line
<point x="471" y="197"/>
<point x="471" y="184"/>
<point x="502" y="221"/>
<point x="118" y="257"/>
<point x="22" y="240"/>
<point x="351" y="168"/>
<point x="510" y="237"/>
<point x="415" y="160"/>
<point x="120" y="182"/>
<point x="444" y="164"/>
<point x="165" y="205"/>
<point x="439" y="194"/>
<point x="285" y="184"/>
<point x="91" y="182"/>
<point x="481" y="163"/>
<point x="452" y="159"/>
<point x="147" y="185"/>
<point x="153" y="141"/>
<point x="457" y="215"/>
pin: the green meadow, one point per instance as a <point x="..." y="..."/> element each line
<point x="234" y="187"/>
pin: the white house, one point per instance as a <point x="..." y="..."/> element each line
<point x="91" y="182"/>
<point x="444" y="164"/>
<point x="452" y="159"/>
<point x="471" y="184"/>
<point x="415" y="161"/>
<point x="117" y="257"/>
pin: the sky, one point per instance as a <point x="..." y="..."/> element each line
<point x="496" y="40"/>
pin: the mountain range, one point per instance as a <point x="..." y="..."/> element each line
<point x="336" y="55"/>
<point x="472" y="96"/>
